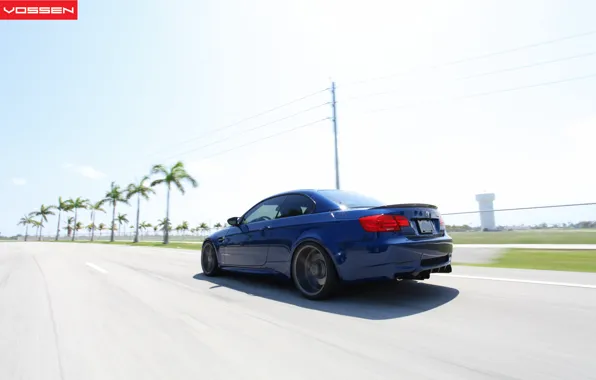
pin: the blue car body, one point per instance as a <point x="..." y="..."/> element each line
<point x="331" y="218"/>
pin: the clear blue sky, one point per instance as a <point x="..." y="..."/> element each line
<point x="103" y="98"/>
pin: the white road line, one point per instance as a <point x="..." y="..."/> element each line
<point x="564" y="247"/>
<point x="99" y="269"/>
<point x="517" y="280"/>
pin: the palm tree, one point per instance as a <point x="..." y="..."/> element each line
<point x="101" y="227"/>
<point x="141" y="227"/>
<point x="38" y="225"/>
<point x="155" y="228"/>
<point x="78" y="226"/>
<point x="62" y="206"/>
<point x="184" y="226"/>
<point x="113" y="197"/>
<point x="217" y="225"/>
<point x="91" y="227"/>
<point x="144" y="225"/>
<point x="176" y="175"/>
<point x="179" y="228"/>
<point x="26" y="221"/>
<point x="121" y="220"/>
<point x="204" y="227"/>
<point x="43" y="213"/>
<point x="69" y="223"/>
<point x="140" y="190"/>
<point x="147" y="226"/>
<point x="76" y="204"/>
<point x="162" y="223"/>
<point x="95" y="208"/>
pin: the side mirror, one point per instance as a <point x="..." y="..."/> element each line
<point x="234" y="221"/>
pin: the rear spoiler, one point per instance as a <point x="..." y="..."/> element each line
<point x="407" y="205"/>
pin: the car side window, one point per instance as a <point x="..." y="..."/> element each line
<point x="267" y="210"/>
<point x="296" y="205"/>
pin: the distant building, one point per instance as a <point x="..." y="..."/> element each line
<point x="487" y="214"/>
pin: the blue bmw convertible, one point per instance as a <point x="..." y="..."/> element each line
<point x="321" y="238"/>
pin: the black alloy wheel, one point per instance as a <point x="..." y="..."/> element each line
<point x="313" y="272"/>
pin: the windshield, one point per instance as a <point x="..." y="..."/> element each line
<point x="350" y="199"/>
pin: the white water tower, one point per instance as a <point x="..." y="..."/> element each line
<point x="487" y="214"/>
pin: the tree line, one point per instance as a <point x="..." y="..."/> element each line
<point x="174" y="177"/>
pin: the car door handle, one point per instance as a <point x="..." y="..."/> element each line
<point x="265" y="229"/>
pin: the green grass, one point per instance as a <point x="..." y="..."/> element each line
<point x="560" y="260"/>
<point x="196" y="246"/>
<point x="549" y="236"/>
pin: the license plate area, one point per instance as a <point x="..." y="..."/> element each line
<point x="426" y="226"/>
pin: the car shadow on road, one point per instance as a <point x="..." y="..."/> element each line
<point x="374" y="301"/>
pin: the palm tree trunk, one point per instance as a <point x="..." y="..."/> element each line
<point x="138" y="218"/>
<point x="166" y="236"/>
<point x="26" y="231"/>
<point x="93" y="224"/>
<point x="74" y="230"/>
<point x="40" y="227"/>
<point x="58" y="228"/>
<point x="113" y="223"/>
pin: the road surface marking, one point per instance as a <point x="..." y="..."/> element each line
<point x="99" y="269"/>
<point x="517" y="280"/>
<point x="565" y="247"/>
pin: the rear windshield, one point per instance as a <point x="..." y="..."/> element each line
<point x="350" y="199"/>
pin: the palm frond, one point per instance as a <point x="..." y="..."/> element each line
<point x="179" y="186"/>
<point x="157" y="182"/>
<point x="159" y="169"/>
<point x="25" y="220"/>
<point x="97" y="206"/>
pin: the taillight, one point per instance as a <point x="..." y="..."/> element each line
<point x="383" y="223"/>
<point x="441" y="221"/>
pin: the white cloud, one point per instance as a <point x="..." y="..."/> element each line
<point x="85" y="171"/>
<point x="19" y="181"/>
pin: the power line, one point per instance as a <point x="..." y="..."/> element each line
<point x="476" y="95"/>
<point x="522" y="208"/>
<point x="584" y="55"/>
<point x="509" y="69"/>
<point x="242" y="120"/>
<point x="248" y="130"/>
<point x="477" y="57"/>
<point x="266" y="138"/>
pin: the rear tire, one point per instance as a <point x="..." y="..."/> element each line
<point x="313" y="272"/>
<point x="209" y="262"/>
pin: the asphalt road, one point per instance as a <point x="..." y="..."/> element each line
<point x="82" y="311"/>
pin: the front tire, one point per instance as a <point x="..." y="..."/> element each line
<point x="209" y="262"/>
<point x="313" y="272"/>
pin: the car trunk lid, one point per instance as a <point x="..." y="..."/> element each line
<point x="425" y="220"/>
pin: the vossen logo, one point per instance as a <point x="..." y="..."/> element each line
<point x="39" y="10"/>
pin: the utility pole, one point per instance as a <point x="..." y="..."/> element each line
<point x="334" y="119"/>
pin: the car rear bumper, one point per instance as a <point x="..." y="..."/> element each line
<point x="406" y="259"/>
